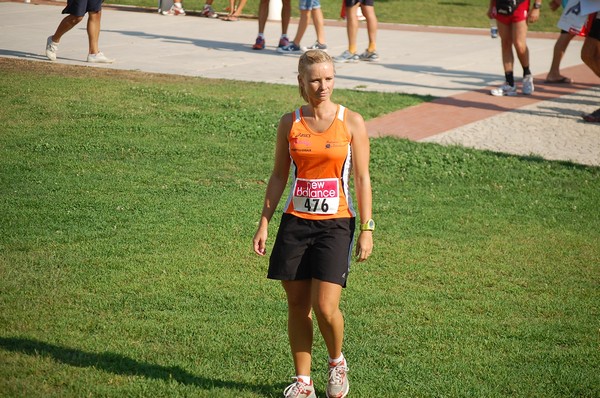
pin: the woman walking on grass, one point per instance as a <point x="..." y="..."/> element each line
<point x="322" y="142"/>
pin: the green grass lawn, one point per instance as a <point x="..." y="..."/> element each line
<point x="465" y="13"/>
<point x="128" y="202"/>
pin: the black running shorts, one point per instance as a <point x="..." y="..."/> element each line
<point x="352" y="3"/>
<point x="80" y="7"/>
<point x="595" y="29"/>
<point x="306" y="249"/>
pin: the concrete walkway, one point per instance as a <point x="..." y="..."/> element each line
<point x="456" y="65"/>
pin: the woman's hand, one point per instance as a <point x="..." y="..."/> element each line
<point x="260" y="241"/>
<point x="364" y="245"/>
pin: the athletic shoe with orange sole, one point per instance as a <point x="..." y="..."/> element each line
<point x="260" y="43"/>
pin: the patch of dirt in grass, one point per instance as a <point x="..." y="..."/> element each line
<point x="56" y="69"/>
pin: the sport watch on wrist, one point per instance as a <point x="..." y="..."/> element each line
<point x="537" y="6"/>
<point x="368" y="226"/>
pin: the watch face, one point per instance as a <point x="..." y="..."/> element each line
<point x="368" y="226"/>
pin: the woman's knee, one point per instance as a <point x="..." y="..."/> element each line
<point x="326" y="311"/>
<point x="298" y="305"/>
<point x="298" y="294"/>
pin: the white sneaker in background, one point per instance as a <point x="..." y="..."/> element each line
<point x="99" y="59"/>
<point x="174" y="11"/>
<point x="51" y="48"/>
<point x="528" y="88"/>
<point x="505" y="89"/>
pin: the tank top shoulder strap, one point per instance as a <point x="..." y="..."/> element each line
<point x="341" y="112"/>
<point x="297" y="115"/>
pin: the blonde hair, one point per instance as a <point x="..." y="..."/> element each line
<point x="309" y="58"/>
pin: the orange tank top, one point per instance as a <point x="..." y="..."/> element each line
<point x="320" y="166"/>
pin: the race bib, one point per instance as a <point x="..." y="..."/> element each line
<point x="320" y="196"/>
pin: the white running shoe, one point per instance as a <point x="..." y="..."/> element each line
<point x="505" y="89"/>
<point x="174" y="11"/>
<point x="527" y="88"/>
<point x="51" y="48"/>
<point x="99" y="59"/>
<point x="337" y="384"/>
<point x="299" y="389"/>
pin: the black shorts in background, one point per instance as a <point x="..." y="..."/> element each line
<point x="595" y="29"/>
<point x="307" y="249"/>
<point x="80" y="7"/>
<point x="352" y="3"/>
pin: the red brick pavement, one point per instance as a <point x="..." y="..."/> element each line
<point x="443" y="114"/>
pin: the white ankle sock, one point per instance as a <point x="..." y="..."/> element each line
<point x="304" y="379"/>
<point x="337" y="360"/>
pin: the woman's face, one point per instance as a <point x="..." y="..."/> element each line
<point x="318" y="81"/>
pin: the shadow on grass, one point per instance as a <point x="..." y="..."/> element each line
<point x="123" y="365"/>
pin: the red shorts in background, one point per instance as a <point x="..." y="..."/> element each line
<point x="520" y="14"/>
